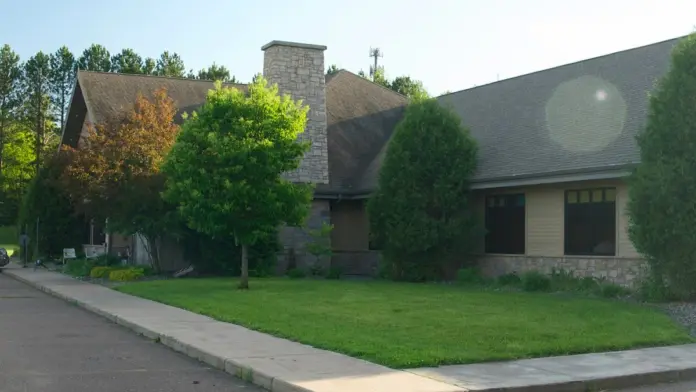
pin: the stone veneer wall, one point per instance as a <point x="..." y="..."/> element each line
<point x="296" y="238"/>
<point x="364" y="263"/>
<point x="299" y="70"/>
<point x="625" y="272"/>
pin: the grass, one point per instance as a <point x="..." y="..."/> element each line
<point x="415" y="325"/>
<point x="9" y="239"/>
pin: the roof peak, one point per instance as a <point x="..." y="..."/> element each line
<point x="80" y="71"/>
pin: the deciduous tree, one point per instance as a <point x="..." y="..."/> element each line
<point x="95" y="58"/>
<point x="409" y="87"/>
<point x="116" y="175"/>
<point x="333" y="69"/>
<point x="225" y="170"/>
<point x="420" y="214"/>
<point x="661" y="204"/>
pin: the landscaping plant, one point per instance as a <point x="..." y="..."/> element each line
<point x="225" y="172"/>
<point x="421" y="215"/>
<point x="116" y="174"/>
<point x="661" y="209"/>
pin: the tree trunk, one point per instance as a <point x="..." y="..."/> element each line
<point x="244" y="279"/>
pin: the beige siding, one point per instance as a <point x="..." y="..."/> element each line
<point x="545" y="216"/>
<point x="544" y="207"/>
<point x="351" y="226"/>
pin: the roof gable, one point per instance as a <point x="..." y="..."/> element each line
<point x="109" y="95"/>
<point x="361" y="118"/>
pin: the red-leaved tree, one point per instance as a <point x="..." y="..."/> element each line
<point x="115" y="173"/>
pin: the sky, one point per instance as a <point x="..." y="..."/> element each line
<point x="450" y="45"/>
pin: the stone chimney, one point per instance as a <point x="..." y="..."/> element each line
<point x="299" y="70"/>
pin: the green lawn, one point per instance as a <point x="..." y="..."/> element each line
<point x="414" y="325"/>
<point x="9" y="239"/>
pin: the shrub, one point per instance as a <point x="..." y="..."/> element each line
<point x="334" y="273"/>
<point x="470" y="275"/>
<point x="128" y="274"/>
<point x="100" y="272"/>
<point x="535" y="281"/>
<point x="47" y="201"/>
<point x="660" y="206"/>
<point x="653" y="288"/>
<point x="511" y="279"/>
<point x="316" y="270"/>
<point x="420" y="213"/>
<point x="296" y="273"/>
<point x="78" y="267"/>
<point x="611" y="290"/>
<point x="107" y="260"/>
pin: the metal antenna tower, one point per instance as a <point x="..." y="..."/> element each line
<point x="375" y="53"/>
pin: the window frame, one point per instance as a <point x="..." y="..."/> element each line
<point x="506" y="196"/>
<point x="591" y="191"/>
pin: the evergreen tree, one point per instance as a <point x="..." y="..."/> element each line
<point x="10" y="94"/>
<point x="420" y="213"/>
<point x="37" y="77"/>
<point x="95" y="58"/>
<point x="62" y="81"/>
<point x="170" y="64"/>
<point x="661" y="209"/>
<point x="127" y="62"/>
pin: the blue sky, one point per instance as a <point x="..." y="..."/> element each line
<point x="448" y="44"/>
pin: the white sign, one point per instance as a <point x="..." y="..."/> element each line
<point x="69" y="253"/>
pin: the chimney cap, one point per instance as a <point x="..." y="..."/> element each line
<point x="293" y="44"/>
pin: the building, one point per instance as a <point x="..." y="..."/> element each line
<point x="555" y="149"/>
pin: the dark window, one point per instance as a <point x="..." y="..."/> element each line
<point x="590" y="222"/>
<point x="505" y="221"/>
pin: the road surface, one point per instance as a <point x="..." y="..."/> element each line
<point x="47" y="345"/>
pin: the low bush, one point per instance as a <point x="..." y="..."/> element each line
<point x="316" y="270"/>
<point x="78" y="267"/>
<point x="296" y="273"/>
<point x="511" y="279"/>
<point x="611" y="290"/>
<point x="334" y="273"/>
<point x="535" y="281"/>
<point x="107" y="260"/>
<point x="100" y="272"/>
<point x="125" y="275"/>
<point x="470" y="275"/>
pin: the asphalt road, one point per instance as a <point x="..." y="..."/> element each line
<point x="47" y="345"/>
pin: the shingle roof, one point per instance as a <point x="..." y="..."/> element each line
<point x="361" y="118"/>
<point x="577" y="117"/>
<point x="361" y="115"/>
<point x="112" y="94"/>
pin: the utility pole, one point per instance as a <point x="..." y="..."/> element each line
<point x="375" y="53"/>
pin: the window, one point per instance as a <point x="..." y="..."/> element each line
<point x="505" y="224"/>
<point x="590" y="222"/>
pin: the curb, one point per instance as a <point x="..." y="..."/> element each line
<point x="248" y="374"/>
<point x="229" y="366"/>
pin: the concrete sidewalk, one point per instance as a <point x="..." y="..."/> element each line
<point x="281" y="365"/>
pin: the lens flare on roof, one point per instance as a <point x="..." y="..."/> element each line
<point x="585" y="114"/>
